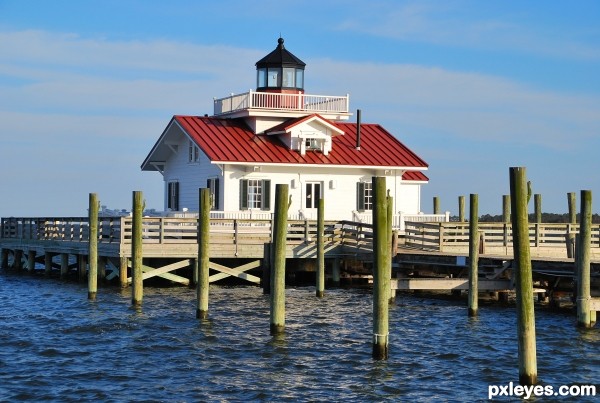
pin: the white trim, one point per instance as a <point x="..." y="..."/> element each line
<point x="275" y="164"/>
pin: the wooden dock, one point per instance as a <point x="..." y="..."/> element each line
<point x="431" y="255"/>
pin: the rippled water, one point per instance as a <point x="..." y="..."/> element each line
<point x="55" y="345"/>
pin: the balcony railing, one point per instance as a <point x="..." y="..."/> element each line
<point x="282" y="102"/>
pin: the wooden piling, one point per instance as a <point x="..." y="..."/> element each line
<point x="321" y="249"/>
<point x="473" y="255"/>
<point x="47" y="263"/>
<point x="571" y="200"/>
<point x="277" y="319"/>
<point x="64" y="265"/>
<point x="537" y="209"/>
<point x="436" y="205"/>
<point x="381" y="283"/>
<point x="123" y="261"/>
<point x="31" y="260"/>
<point x="137" y="284"/>
<point x="461" y="208"/>
<point x="335" y="272"/>
<point x="93" y="208"/>
<point x="4" y="259"/>
<point x="583" y="261"/>
<point x="81" y="268"/>
<point x="390" y="234"/>
<point x="202" y="287"/>
<point x="523" y="278"/>
<point x="506" y="209"/>
<point x="267" y="262"/>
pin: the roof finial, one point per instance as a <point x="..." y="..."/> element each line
<point x="280" y="41"/>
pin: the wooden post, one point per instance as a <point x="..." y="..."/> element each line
<point x="64" y="265"/>
<point x="436" y="205"/>
<point x="123" y="272"/>
<point x="321" y="249"/>
<point x="202" y="287"/>
<point x="94" y="206"/>
<point x="583" y="261"/>
<point x="335" y="272"/>
<point x="4" y="259"/>
<point x="506" y="209"/>
<point x="537" y="203"/>
<point x="81" y="267"/>
<point x="266" y="268"/>
<point x="523" y="278"/>
<point x="278" y="270"/>
<point x="461" y="208"/>
<point x="31" y="260"/>
<point x="390" y="235"/>
<point x="18" y="257"/>
<point x="381" y="281"/>
<point x="473" y="255"/>
<point x="572" y="207"/>
<point x="137" y="283"/>
<point x="47" y="263"/>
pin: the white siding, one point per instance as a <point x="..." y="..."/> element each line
<point x="340" y="202"/>
<point x="190" y="176"/>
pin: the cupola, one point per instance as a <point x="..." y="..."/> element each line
<point x="280" y="71"/>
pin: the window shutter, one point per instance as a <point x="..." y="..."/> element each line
<point x="243" y="194"/>
<point x="360" y="196"/>
<point x="176" y="203"/>
<point x="169" y="193"/>
<point x="216" y="194"/>
<point x="266" y="192"/>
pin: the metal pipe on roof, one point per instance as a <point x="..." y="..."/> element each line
<point x="358" y="129"/>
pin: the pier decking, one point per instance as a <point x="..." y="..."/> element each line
<point x="170" y="243"/>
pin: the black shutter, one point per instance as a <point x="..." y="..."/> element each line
<point x="176" y="203"/>
<point x="216" y="194"/>
<point x="169" y="190"/>
<point x="243" y="194"/>
<point x="360" y="196"/>
<point x="266" y="193"/>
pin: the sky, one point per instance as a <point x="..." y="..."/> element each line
<point x="473" y="87"/>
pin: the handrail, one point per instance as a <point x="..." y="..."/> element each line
<point x="448" y="236"/>
<point x="179" y="230"/>
<point x="278" y="101"/>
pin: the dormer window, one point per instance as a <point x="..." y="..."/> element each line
<point x="312" y="144"/>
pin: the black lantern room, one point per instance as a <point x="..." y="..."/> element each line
<point x="280" y="71"/>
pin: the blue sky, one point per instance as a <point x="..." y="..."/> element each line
<point x="474" y="87"/>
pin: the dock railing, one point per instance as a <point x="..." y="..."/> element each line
<point x="545" y="239"/>
<point x="181" y="230"/>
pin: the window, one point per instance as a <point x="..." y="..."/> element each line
<point x="364" y="196"/>
<point x="213" y="185"/>
<point x="255" y="194"/>
<point x="173" y="196"/>
<point x="273" y="77"/>
<point x="312" y="144"/>
<point x="193" y="152"/>
<point x="313" y="194"/>
<point x="261" y="77"/>
<point x="299" y="78"/>
<point x="288" y="78"/>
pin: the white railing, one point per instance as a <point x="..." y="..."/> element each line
<point x="400" y="218"/>
<point x="286" y="102"/>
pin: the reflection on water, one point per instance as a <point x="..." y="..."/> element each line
<point x="55" y="345"/>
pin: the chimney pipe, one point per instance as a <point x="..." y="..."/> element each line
<point x="358" y="129"/>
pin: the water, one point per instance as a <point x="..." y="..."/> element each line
<point x="55" y="345"/>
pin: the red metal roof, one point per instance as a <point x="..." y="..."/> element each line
<point x="231" y="140"/>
